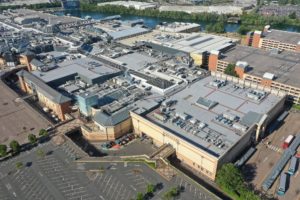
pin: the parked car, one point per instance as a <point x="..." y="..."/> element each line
<point x="112" y="143"/>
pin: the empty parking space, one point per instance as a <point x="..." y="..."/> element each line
<point x="112" y="188"/>
<point x="4" y="194"/>
<point x="191" y="191"/>
<point x="60" y="176"/>
<point x="56" y="176"/>
<point x="30" y="186"/>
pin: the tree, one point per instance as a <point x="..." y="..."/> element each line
<point x="139" y="196"/>
<point x="243" y="30"/>
<point x="173" y="192"/>
<point x="293" y="15"/>
<point x="3" y="150"/>
<point x="150" y="189"/>
<point x="19" y="165"/>
<point x="229" y="177"/>
<point x="230" y="70"/>
<point x="40" y="153"/>
<point x="216" y="28"/>
<point x="32" y="138"/>
<point x="43" y="133"/>
<point x="15" y="146"/>
<point x="249" y="195"/>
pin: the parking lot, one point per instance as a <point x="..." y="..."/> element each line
<point x="124" y="180"/>
<point x="12" y="111"/>
<point x="268" y="153"/>
<point x="133" y="147"/>
<point x="55" y="175"/>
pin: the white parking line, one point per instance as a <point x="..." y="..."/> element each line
<point x="101" y="197"/>
<point x="133" y="187"/>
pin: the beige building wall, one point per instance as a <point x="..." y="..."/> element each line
<point x="238" y="148"/>
<point x="198" y="159"/>
<point x="107" y="133"/>
<point x="59" y="109"/>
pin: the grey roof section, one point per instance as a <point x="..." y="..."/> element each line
<point x="206" y="103"/>
<point x="146" y="105"/>
<point x="230" y="101"/>
<point x="117" y="35"/>
<point x="28" y="53"/>
<point x="87" y="67"/>
<point x="251" y="118"/>
<point x="282" y="36"/>
<point x="113" y="119"/>
<point x="37" y="63"/>
<point x="42" y="87"/>
<point x="158" y="82"/>
<point x="199" y="43"/>
<point x="136" y="61"/>
<point x="285" y="65"/>
<point x="165" y="49"/>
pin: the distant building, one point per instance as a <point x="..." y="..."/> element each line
<point x="282" y="10"/>
<point x="132" y="4"/>
<point x="179" y="27"/>
<point x="196" y="45"/>
<point x="70" y="4"/>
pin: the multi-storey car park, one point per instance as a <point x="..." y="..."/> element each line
<point x="274" y="70"/>
<point x="274" y="39"/>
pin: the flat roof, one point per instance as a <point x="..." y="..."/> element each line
<point x="198" y="43"/>
<point x="54" y="19"/>
<point x="282" y="36"/>
<point x="49" y="92"/>
<point x="230" y="100"/>
<point x="284" y="65"/>
<point x="136" y="61"/>
<point x="128" y="32"/>
<point x="87" y="67"/>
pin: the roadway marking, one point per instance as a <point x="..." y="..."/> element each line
<point x="101" y="197"/>
<point x="133" y="187"/>
<point x="265" y="159"/>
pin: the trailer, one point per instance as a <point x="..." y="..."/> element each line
<point x="282" y="184"/>
<point x="287" y="141"/>
<point x="293" y="165"/>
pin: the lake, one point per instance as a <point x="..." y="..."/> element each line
<point x="153" y="21"/>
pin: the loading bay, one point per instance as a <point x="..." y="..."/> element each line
<point x="268" y="153"/>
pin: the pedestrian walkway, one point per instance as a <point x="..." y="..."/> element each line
<point x="274" y="148"/>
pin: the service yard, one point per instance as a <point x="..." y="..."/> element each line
<point x="268" y="153"/>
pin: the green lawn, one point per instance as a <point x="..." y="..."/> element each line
<point x="296" y="106"/>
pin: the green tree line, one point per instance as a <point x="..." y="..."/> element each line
<point x="249" y="21"/>
<point x="230" y="179"/>
<point x="176" y="15"/>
